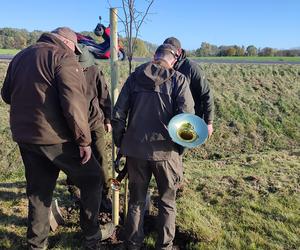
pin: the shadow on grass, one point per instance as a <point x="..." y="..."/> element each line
<point x="71" y="240"/>
<point x="12" y="220"/>
<point x="17" y="184"/>
<point x="9" y="196"/>
<point x="62" y="240"/>
<point x="181" y="238"/>
<point x="9" y="240"/>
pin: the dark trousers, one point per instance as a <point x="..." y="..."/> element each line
<point x="168" y="175"/>
<point x="42" y="166"/>
<point x="98" y="148"/>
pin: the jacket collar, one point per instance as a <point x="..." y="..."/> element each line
<point x="180" y="59"/>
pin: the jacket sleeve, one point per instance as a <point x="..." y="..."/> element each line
<point x="71" y="90"/>
<point x="120" y="113"/>
<point x="203" y="94"/>
<point x="104" y="97"/>
<point x="183" y="97"/>
<point x="5" y="91"/>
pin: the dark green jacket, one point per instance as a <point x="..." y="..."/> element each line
<point x="200" y="88"/>
<point x="150" y="97"/>
<point x="98" y="97"/>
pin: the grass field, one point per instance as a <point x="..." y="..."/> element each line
<point x="218" y="58"/>
<point x="252" y="58"/>
<point x="9" y="51"/>
<point x="242" y="188"/>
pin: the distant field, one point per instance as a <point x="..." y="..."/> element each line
<point x="252" y="58"/>
<point x="215" y="58"/>
<point x="9" y="51"/>
<point x="242" y="187"/>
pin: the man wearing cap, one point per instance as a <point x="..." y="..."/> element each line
<point x="45" y="88"/>
<point x="200" y="88"/>
<point x="150" y="97"/>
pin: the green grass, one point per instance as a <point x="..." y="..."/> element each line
<point x="242" y="187"/>
<point x="9" y="51"/>
<point x="243" y="202"/>
<point x="252" y="58"/>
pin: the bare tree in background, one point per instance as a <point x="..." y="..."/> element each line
<point x="132" y="21"/>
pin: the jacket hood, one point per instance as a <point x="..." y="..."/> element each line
<point x="152" y="74"/>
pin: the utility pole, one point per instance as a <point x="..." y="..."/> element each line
<point x="114" y="96"/>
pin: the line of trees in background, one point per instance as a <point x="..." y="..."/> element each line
<point x="17" y="38"/>
<point x="11" y="38"/>
<point x="208" y="49"/>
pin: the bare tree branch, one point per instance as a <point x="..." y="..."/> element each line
<point x="132" y="21"/>
<point x="126" y="18"/>
<point x="142" y="21"/>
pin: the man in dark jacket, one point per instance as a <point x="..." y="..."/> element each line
<point x="200" y="88"/>
<point x="99" y="114"/>
<point x="45" y="88"/>
<point x="150" y="97"/>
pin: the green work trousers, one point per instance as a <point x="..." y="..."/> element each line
<point x="168" y="175"/>
<point x="98" y="148"/>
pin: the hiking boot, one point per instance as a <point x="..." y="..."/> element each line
<point x="107" y="230"/>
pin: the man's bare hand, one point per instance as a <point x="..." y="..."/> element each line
<point x="108" y="127"/>
<point x="85" y="154"/>
<point x="210" y="129"/>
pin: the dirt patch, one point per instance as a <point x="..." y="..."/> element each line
<point x="71" y="213"/>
